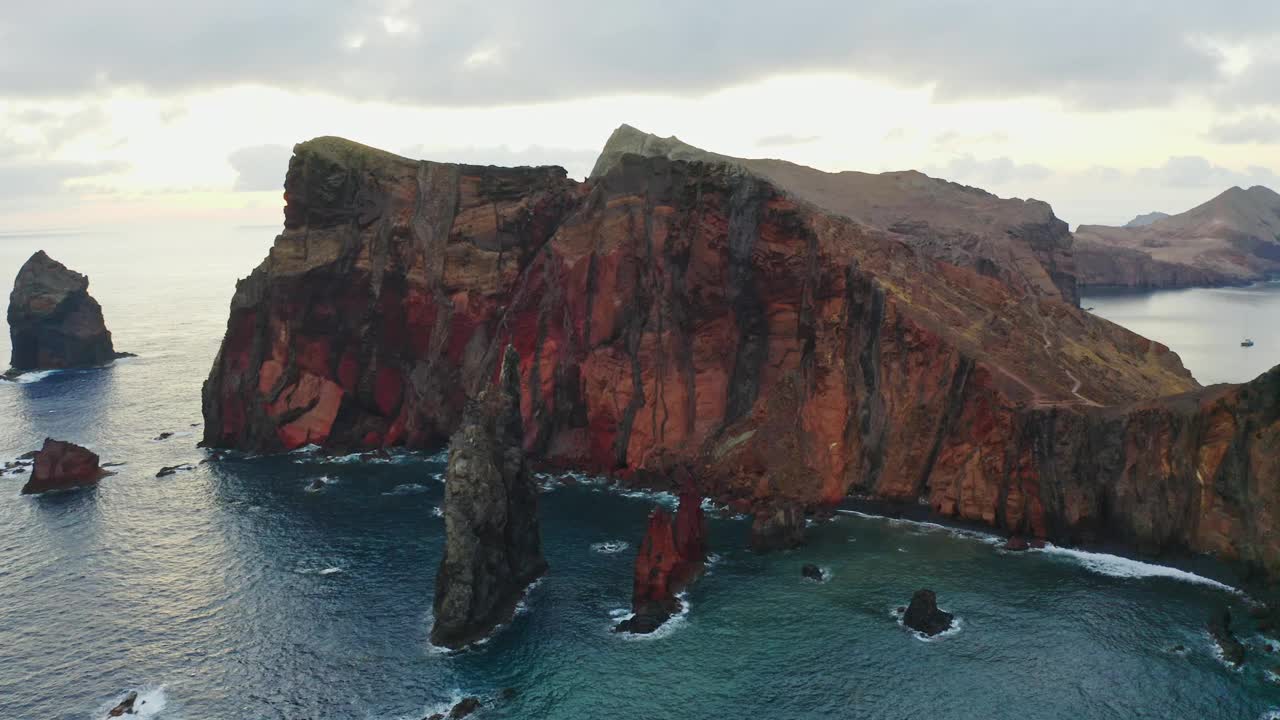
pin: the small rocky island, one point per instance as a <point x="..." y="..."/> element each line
<point x="53" y="321"/>
<point x="672" y="556"/>
<point x="60" y="465"/>
<point x="493" y="547"/>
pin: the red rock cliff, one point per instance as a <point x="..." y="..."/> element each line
<point x="671" y="313"/>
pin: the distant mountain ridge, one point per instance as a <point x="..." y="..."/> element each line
<point x="1146" y="219"/>
<point x="1020" y="242"/>
<point x="1233" y="238"/>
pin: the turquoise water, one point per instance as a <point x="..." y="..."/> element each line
<point x="1204" y="326"/>
<point x="231" y="592"/>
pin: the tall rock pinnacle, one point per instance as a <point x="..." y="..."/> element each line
<point x="53" y="321"/>
<point x="493" y="548"/>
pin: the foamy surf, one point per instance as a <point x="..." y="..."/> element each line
<point x="28" y="377"/>
<point x="956" y="623"/>
<point x="407" y="489"/>
<point x="926" y="526"/>
<point x="665" y="630"/>
<point x="1122" y="567"/>
<point x="150" y="703"/>
<point x="610" y="547"/>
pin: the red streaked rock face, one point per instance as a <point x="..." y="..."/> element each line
<point x="671" y="314"/>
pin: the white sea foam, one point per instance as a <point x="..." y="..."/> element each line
<point x="407" y="489"/>
<point x="1273" y="714"/>
<point x="305" y="449"/>
<point x="441" y="708"/>
<point x="437" y="511"/>
<point x="665" y="630"/>
<point x="927" y="526"/>
<point x="956" y="624"/>
<point x="29" y="377"/>
<point x="610" y="547"/>
<point x="1121" y="567"/>
<point x="325" y="480"/>
<point x="150" y="703"/>
<point x="1216" y="650"/>
<point x="826" y="576"/>
<point x="330" y="571"/>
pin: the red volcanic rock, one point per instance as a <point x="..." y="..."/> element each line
<point x="672" y="314"/>
<point x="779" y="528"/>
<point x="671" y="557"/>
<point x="62" y="465"/>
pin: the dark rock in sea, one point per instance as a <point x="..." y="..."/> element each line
<point x="813" y="572"/>
<point x="1220" y="628"/>
<point x="671" y="557"/>
<point x="1178" y="649"/>
<point x="164" y="436"/>
<point x="1017" y="543"/>
<point x="316" y="485"/>
<point x="779" y="528"/>
<point x="28" y="455"/>
<point x="62" y="465"/>
<point x="493" y="548"/>
<point x="174" y="469"/>
<point x="53" y="321"/>
<point x="923" y="615"/>
<point x="464" y="707"/>
<point x="125" y="707"/>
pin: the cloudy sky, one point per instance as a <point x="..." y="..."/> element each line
<point x="146" y="112"/>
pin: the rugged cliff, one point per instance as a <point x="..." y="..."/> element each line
<point x="1020" y="242"/>
<point x="1232" y="239"/>
<point x="492" y="544"/>
<point x="53" y="321"/>
<point x="671" y="313"/>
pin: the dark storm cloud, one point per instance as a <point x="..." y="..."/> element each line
<point x="261" y="167"/>
<point x="1092" y="53"/>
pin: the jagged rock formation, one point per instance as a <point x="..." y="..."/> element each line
<point x="1220" y="629"/>
<point x="778" y="528"/>
<point x="675" y="313"/>
<point x="53" y="321"/>
<point x="493" y="549"/>
<point x="1020" y="242"/>
<point x="672" y="555"/>
<point x="923" y="615"/>
<point x="1232" y="239"/>
<point x="61" y="465"/>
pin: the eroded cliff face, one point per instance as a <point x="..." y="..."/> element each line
<point x="673" y="313"/>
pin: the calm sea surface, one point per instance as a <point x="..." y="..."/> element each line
<point x="230" y="592"/>
<point x="1205" y="326"/>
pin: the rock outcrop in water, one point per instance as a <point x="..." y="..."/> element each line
<point x="1232" y="239"/>
<point x="923" y="615"/>
<point x="674" y="313"/>
<point x="778" y="528"/>
<point x="1220" y="629"/>
<point x="61" y="465"/>
<point x="493" y="548"/>
<point x="672" y="555"/>
<point x="53" y="321"/>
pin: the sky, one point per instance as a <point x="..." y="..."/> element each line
<point x="145" y="112"/>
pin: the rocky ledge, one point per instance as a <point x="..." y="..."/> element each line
<point x="493" y="549"/>
<point x="672" y="313"/>
<point x="60" y="465"/>
<point x="53" y="321"/>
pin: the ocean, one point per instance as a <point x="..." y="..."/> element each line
<point x="231" y="591"/>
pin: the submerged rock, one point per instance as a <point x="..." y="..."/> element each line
<point x="813" y="572"/>
<point x="1220" y="628"/>
<point x="461" y="709"/>
<point x="174" y="469"/>
<point x="1017" y="543"/>
<point x="923" y="615"/>
<point x="493" y="547"/>
<point x="672" y="556"/>
<point x="780" y="528"/>
<point x="62" y="465"/>
<point x="53" y="321"/>
<point x="125" y="707"/>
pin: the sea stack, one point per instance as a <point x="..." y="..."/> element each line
<point x="62" y="465"/>
<point x="53" y="321"/>
<point x="923" y="615"/>
<point x="778" y="528"/>
<point x="671" y="557"/>
<point x="493" y="549"/>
